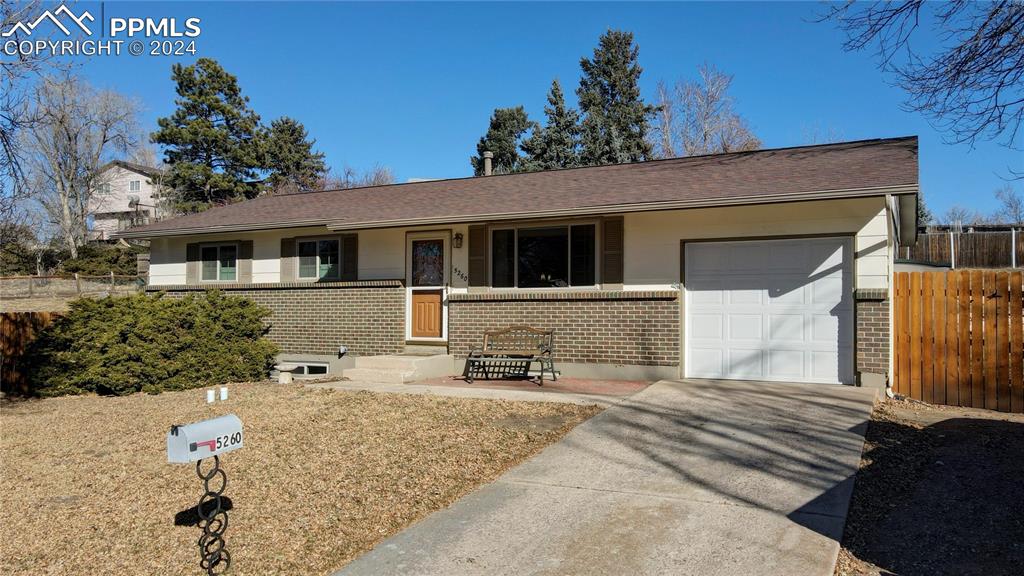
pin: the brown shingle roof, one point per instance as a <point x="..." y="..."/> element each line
<point x="778" y="175"/>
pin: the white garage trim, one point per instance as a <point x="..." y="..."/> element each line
<point x="778" y="309"/>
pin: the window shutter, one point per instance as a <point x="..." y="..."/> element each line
<point x="611" y="251"/>
<point x="478" y="256"/>
<point x="350" y="257"/>
<point x="288" y="270"/>
<point x="192" y="264"/>
<point x="245" y="262"/>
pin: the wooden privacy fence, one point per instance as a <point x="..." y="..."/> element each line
<point x="1000" y="249"/>
<point x="17" y="330"/>
<point x="959" y="338"/>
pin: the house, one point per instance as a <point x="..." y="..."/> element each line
<point x="111" y="202"/>
<point x="765" y="265"/>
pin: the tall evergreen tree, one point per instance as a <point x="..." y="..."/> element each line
<point x="290" y="158"/>
<point x="615" y="118"/>
<point x="505" y="135"/>
<point x="212" y="139"/>
<point x="557" y="144"/>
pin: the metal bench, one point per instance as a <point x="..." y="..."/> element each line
<point x="510" y="352"/>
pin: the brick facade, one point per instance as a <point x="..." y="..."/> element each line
<point x="872" y="314"/>
<point x="368" y="317"/>
<point x="607" y="327"/>
<point x="633" y="328"/>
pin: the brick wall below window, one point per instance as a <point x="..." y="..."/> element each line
<point x="368" y="317"/>
<point x="639" y="329"/>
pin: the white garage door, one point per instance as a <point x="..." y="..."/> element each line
<point x="770" y="310"/>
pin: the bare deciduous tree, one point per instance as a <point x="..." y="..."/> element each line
<point x="1011" y="205"/>
<point x="698" y="117"/>
<point x="973" y="86"/>
<point x="76" y="130"/>
<point x="957" y="215"/>
<point x="815" y="134"/>
<point x="664" y="126"/>
<point x="351" y="178"/>
<point x="17" y="74"/>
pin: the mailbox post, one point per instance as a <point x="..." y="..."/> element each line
<point x="192" y="443"/>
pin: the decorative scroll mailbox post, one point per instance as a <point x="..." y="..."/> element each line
<point x="192" y="443"/>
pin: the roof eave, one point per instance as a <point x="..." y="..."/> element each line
<point x="143" y="234"/>
<point x="341" y="225"/>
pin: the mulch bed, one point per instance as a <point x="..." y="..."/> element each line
<point x="85" y="487"/>
<point x="940" y="491"/>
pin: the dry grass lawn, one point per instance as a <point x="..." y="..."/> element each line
<point x="85" y="487"/>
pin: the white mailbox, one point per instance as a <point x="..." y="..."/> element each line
<point x="205" y="439"/>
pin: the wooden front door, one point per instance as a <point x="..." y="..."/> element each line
<point x="427" y="277"/>
<point x="426" y="314"/>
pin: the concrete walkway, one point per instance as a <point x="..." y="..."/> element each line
<point x="690" y="477"/>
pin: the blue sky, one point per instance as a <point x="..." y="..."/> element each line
<point x="411" y="86"/>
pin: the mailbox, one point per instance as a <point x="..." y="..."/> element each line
<point x="206" y="439"/>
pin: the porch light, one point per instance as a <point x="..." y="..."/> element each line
<point x="457" y="240"/>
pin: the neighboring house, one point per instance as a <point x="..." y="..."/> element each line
<point x="110" y="203"/>
<point x="764" y="265"/>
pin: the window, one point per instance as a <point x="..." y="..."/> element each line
<point x="319" y="259"/>
<point x="134" y="185"/>
<point x="310" y="368"/>
<point x="544" y="257"/>
<point x="220" y="263"/>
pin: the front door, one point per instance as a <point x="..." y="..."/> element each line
<point x="426" y="314"/>
<point x="427" y="279"/>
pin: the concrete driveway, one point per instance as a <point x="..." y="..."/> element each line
<point x="690" y="477"/>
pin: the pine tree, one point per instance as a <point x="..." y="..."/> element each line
<point x="615" y="118"/>
<point x="505" y="135"/>
<point x="212" y="140"/>
<point x="556" y="145"/>
<point x="290" y="158"/>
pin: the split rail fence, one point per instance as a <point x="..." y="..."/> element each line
<point x="959" y="338"/>
<point x="74" y="285"/>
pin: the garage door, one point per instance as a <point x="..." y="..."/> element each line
<point x="770" y="310"/>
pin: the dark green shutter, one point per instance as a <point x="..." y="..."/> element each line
<point x="478" y="256"/>
<point x="611" y="251"/>
<point x="350" y="257"/>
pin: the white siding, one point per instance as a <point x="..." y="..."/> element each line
<point x="652" y="239"/>
<point x="652" y="242"/>
<point x="381" y="254"/>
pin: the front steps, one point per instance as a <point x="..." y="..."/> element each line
<point x="399" y="369"/>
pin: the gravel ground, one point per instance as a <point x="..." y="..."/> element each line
<point x="940" y="491"/>
<point x="324" y="475"/>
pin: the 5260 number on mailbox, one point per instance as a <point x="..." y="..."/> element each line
<point x="229" y="441"/>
